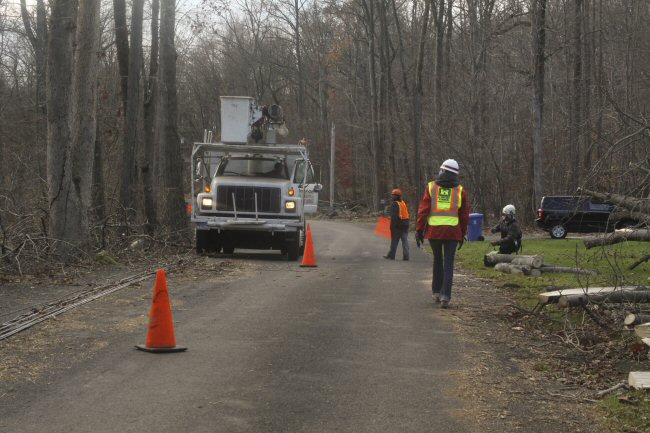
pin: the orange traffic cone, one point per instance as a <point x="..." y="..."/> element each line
<point x="382" y="228"/>
<point x="160" y="336"/>
<point x="308" y="258"/>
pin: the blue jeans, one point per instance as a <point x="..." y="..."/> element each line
<point x="444" y="252"/>
<point x="395" y="237"/>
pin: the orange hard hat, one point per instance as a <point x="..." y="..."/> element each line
<point x="396" y="191"/>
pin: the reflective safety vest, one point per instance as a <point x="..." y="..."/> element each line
<point x="403" y="211"/>
<point x="445" y="203"/>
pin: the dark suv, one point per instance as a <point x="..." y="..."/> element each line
<point x="560" y="215"/>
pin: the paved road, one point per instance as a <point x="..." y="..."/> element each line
<point x="354" y="345"/>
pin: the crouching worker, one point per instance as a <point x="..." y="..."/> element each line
<point x="510" y="241"/>
<point x="399" y="226"/>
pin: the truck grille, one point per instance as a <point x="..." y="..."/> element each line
<point x="268" y="199"/>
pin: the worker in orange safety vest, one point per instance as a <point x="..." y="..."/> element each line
<point x="443" y="217"/>
<point x="399" y="226"/>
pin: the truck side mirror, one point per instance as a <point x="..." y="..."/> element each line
<point x="318" y="187"/>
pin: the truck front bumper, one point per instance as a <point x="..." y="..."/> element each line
<point x="247" y="224"/>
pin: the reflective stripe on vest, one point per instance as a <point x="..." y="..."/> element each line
<point x="444" y="205"/>
<point x="403" y="211"/>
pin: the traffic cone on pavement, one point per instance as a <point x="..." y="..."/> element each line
<point x="308" y="258"/>
<point x="160" y="336"/>
<point x="382" y="228"/>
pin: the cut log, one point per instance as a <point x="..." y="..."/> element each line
<point x="491" y="259"/>
<point x="509" y="268"/>
<point x="619" y="236"/>
<point x="564" y="269"/>
<point x="642" y="331"/>
<point x="639" y="379"/>
<point x="636" y="296"/>
<point x="553" y="296"/>
<point x="532" y="261"/>
<point x="634" y="319"/>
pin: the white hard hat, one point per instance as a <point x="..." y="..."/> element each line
<point x="508" y="210"/>
<point x="450" y="165"/>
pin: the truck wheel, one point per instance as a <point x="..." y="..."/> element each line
<point x="558" y="232"/>
<point x="293" y="249"/>
<point x="228" y="249"/>
<point x="202" y="239"/>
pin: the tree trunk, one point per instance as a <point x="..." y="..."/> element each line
<point x="417" y="104"/>
<point x="630" y="203"/>
<point x="84" y="109"/>
<point x="612" y="297"/>
<point x="122" y="46"/>
<point x="130" y="146"/>
<point x="618" y="237"/>
<point x="167" y="122"/>
<point x="150" y="101"/>
<point x="63" y="204"/>
<point x="539" y="42"/>
<point x="575" y="127"/>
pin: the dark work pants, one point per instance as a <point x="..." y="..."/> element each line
<point x="395" y="237"/>
<point x="508" y="247"/>
<point x="444" y="252"/>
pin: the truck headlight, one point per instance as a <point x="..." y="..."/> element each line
<point x="206" y="202"/>
<point x="290" y="206"/>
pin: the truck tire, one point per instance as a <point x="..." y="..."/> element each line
<point x="228" y="249"/>
<point x="558" y="232"/>
<point x="293" y="249"/>
<point x="202" y="240"/>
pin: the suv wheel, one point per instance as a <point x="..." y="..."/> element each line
<point x="558" y="232"/>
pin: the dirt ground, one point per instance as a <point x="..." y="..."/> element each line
<point x="523" y="377"/>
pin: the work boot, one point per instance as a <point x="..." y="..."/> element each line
<point x="436" y="298"/>
<point x="389" y="257"/>
<point x="444" y="303"/>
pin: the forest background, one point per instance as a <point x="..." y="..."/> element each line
<point x="100" y="102"/>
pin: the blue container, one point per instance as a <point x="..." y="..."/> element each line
<point x="475" y="229"/>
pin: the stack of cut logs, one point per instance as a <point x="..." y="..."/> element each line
<point x="526" y="265"/>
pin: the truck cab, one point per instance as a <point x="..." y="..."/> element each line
<point x="252" y="195"/>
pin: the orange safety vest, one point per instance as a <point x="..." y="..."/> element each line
<point x="403" y="211"/>
<point x="444" y="205"/>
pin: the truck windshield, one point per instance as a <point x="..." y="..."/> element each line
<point x="256" y="167"/>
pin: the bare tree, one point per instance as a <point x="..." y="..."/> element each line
<point x="167" y="121"/>
<point x="538" y="10"/>
<point x="71" y="128"/>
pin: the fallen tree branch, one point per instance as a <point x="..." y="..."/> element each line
<point x="616" y="387"/>
<point x="638" y="262"/>
<point x="569" y="270"/>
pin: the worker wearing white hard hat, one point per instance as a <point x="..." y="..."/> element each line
<point x="510" y="231"/>
<point x="443" y="217"/>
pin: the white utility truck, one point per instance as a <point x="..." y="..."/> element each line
<point x="249" y="191"/>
